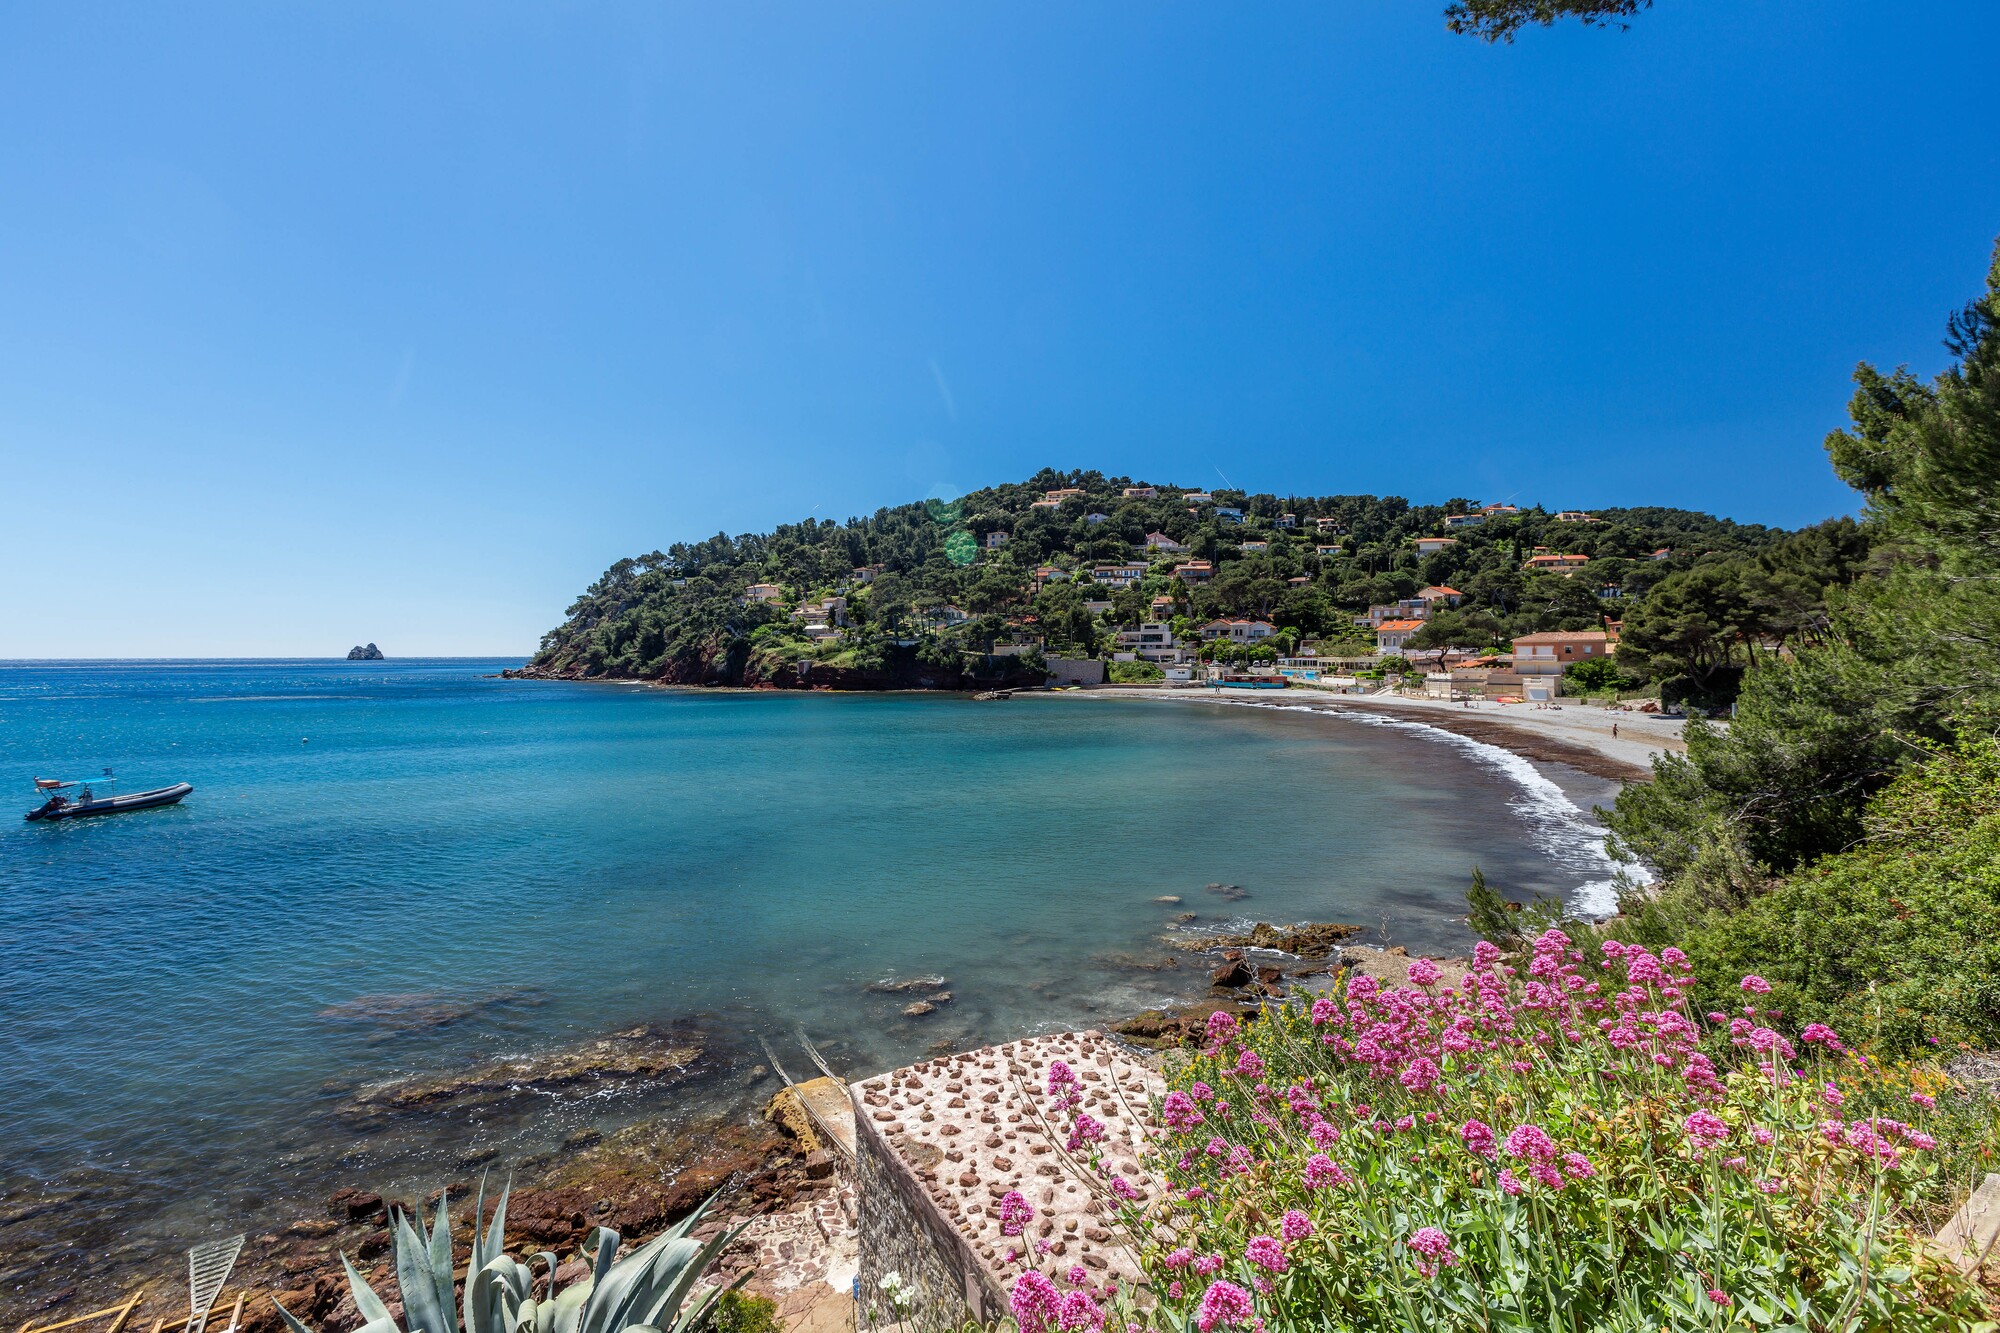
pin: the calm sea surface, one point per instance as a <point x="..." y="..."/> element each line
<point x="184" y="993"/>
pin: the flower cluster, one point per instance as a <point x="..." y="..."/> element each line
<point x="1385" y="1156"/>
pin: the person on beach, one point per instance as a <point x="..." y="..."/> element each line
<point x="1614" y="731"/>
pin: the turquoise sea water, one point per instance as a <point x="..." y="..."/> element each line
<point x="186" y="992"/>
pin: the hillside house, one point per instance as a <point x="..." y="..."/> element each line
<point x="995" y="540"/>
<point x="1195" y="571"/>
<point x="1391" y="635"/>
<point x="1160" y="541"/>
<point x="1286" y="521"/>
<point x="1574" y="516"/>
<point x="1432" y="545"/>
<point x="1199" y="498"/>
<point x="1118" y="576"/>
<point x="1464" y="520"/>
<point x="1437" y="593"/>
<point x="1554" y="563"/>
<point x="1141" y="492"/>
<point x="763" y="592"/>
<point x="1228" y="514"/>
<point x="1238" y="631"/>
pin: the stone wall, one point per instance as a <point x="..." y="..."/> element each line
<point x="902" y="1232"/>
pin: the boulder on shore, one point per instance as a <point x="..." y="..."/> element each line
<point x="1311" y="940"/>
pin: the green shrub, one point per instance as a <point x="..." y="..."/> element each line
<point x="1133" y="673"/>
<point x="739" y="1312"/>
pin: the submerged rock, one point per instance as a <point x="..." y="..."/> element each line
<point x="1234" y="893"/>
<point x="643" y="1053"/>
<point x="1311" y="940"/>
<point x="905" y="985"/>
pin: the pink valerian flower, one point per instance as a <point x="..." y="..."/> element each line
<point x="1084" y="1132"/>
<point x="1226" y="1305"/>
<point x="1420" y="1075"/>
<point x="1180" y="1112"/>
<point x="1929" y="1103"/>
<point x="1510" y="1183"/>
<point x="1295" y="1225"/>
<point x="1720" y="1297"/>
<point x="1531" y="1142"/>
<point x="1820" y="1033"/>
<point x="1221" y="1029"/>
<point x="1208" y="1263"/>
<point x="1179" y="1257"/>
<point x="1755" y="985"/>
<point x="1423" y="972"/>
<point x="1478" y="1138"/>
<point x="1324" y="1133"/>
<point x="1578" y="1166"/>
<point x="1705" y="1130"/>
<point x="1123" y="1188"/>
<point x="1076" y="1310"/>
<point x="1434" y="1250"/>
<point x="1250" y="1064"/>
<point x="1062" y="1079"/>
<point x="1036" y="1303"/>
<point x="1322" y="1171"/>
<point x="1267" y="1253"/>
<point x="1484" y="955"/>
<point x="1174" y="1290"/>
<point x="1200" y="1091"/>
<point x="1077" y="1275"/>
<point x="1325" y="1009"/>
<point x="1015" y="1213"/>
<point x="1762" y="1136"/>
<point x="1832" y="1095"/>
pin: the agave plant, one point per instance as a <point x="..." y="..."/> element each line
<point x="651" y="1290"/>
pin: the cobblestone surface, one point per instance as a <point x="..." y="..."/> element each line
<point x="941" y="1142"/>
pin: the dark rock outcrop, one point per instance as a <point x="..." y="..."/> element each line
<point x="1312" y="940"/>
<point x="368" y="653"/>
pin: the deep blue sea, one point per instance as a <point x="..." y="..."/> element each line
<point x="187" y="991"/>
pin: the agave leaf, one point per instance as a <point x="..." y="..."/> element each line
<point x="366" y="1303"/>
<point x="565" y="1312"/>
<point x="291" y="1320"/>
<point x="496" y="1230"/>
<point x="495" y="1296"/>
<point x="416" y="1280"/>
<point x="441" y="1265"/>
<point x="677" y="1293"/>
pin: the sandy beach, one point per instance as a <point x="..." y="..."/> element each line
<point x="1574" y="734"/>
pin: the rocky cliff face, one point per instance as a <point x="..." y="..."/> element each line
<point x="370" y="653"/>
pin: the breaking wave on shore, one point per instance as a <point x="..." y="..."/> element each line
<point x="1558" y="826"/>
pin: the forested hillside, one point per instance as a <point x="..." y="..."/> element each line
<point x="941" y="585"/>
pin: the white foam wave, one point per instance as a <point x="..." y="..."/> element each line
<point x="1562" y="829"/>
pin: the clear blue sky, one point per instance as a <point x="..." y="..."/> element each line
<point x="327" y="322"/>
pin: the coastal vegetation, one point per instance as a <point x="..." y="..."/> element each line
<point x="653" y="1287"/>
<point x="1570" y="1145"/>
<point x="1842" y="832"/>
<point x="1063" y="561"/>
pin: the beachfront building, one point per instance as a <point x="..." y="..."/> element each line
<point x="1432" y="545"/>
<point x="1238" y="631"/>
<point x="1195" y="571"/>
<point x="763" y="592"/>
<point x="1554" y="563"/>
<point x="1151" y="642"/>
<point x="1119" y="576"/>
<point x="1391" y="635"/>
<point x="1160" y="541"/>
<point x="1539" y="659"/>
